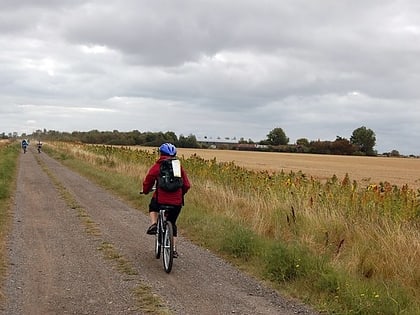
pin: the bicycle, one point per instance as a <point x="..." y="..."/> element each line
<point x="164" y="238"/>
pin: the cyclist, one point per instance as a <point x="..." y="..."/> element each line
<point x="160" y="196"/>
<point x="24" y="145"/>
<point x="39" y="146"/>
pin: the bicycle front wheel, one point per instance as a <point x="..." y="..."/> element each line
<point x="158" y="241"/>
<point x="168" y="247"/>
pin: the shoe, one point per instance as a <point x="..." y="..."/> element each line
<point x="175" y="254"/>
<point x="152" y="229"/>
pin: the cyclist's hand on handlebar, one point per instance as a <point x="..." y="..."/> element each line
<point x="145" y="193"/>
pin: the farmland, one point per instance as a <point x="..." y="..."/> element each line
<point x="396" y="171"/>
<point x="342" y="243"/>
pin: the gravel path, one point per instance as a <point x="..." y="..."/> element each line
<point x="61" y="221"/>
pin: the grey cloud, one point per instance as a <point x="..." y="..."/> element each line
<point x="241" y="67"/>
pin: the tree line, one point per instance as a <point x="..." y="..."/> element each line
<point x="115" y="137"/>
<point x="361" y="142"/>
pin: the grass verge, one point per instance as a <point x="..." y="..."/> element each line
<point x="8" y="173"/>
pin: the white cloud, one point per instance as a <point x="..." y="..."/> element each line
<point x="95" y="49"/>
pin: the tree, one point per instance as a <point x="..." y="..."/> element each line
<point x="342" y="146"/>
<point x="302" y="142"/>
<point x="394" y="153"/>
<point x="365" y="139"/>
<point x="187" y="142"/>
<point x="277" y="137"/>
<point x="243" y="141"/>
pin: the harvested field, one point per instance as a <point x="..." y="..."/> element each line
<point x="368" y="170"/>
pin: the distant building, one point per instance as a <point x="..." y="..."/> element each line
<point x="217" y="143"/>
<point x="250" y="147"/>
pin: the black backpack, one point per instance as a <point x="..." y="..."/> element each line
<point x="166" y="180"/>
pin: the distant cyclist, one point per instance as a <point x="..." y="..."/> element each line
<point x="160" y="196"/>
<point x="39" y="146"/>
<point x="24" y="145"/>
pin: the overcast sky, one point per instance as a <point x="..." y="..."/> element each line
<point x="216" y="68"/>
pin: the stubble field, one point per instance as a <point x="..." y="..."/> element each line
<point x="369" y="170"/>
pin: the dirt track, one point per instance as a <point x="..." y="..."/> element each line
<point x="55" y="266"/>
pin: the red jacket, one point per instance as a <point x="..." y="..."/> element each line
<point x="164" y="197"/>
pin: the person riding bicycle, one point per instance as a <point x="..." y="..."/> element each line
<point x="39" y="146"/>
<point x="162" y="197"/>
<point x="24" y="145"/>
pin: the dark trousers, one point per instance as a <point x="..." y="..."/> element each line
<point x="172" y="214"/>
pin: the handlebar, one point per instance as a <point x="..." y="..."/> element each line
<point x="142" y="193"/>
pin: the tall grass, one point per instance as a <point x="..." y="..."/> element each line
<point x="340" y="246"/>
<point x="8" y="165"/>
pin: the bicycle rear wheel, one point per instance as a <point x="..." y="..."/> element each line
<point x="168" y="247"/>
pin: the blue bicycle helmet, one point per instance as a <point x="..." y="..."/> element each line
<point x="167" y="149"/>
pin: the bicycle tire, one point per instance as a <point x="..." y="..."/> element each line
<point x="168" y="247"/>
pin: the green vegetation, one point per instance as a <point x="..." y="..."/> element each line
<point x="277" y="137"/>
<point x="8" y="165"/>
<point x="364" y="139"/>
<point x="150" y="303"/>
<point x="341" y="247"/>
